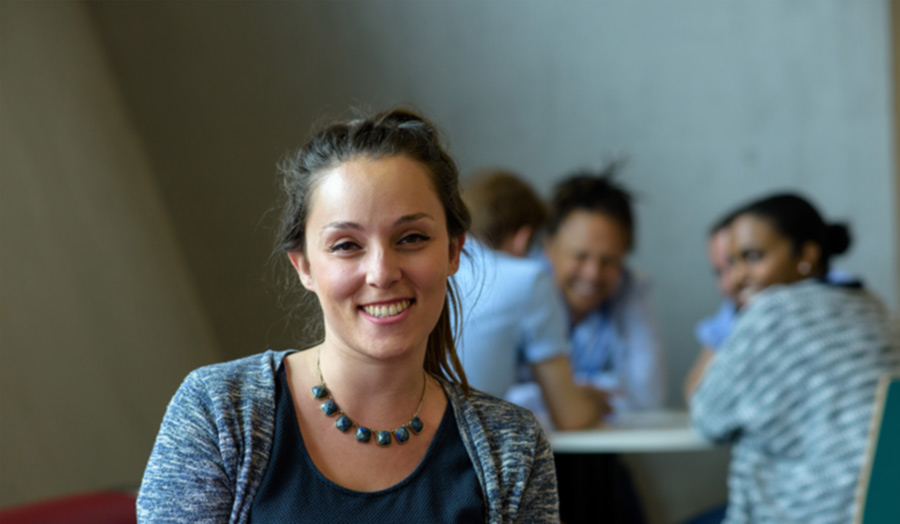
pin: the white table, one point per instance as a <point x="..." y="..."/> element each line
<point x="638" y="432"/>
<point x="587" y="466"/>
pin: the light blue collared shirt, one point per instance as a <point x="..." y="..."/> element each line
<point x="617" y="348"/>
<point x="513" y="315"/>
<point x="712" y="331"/>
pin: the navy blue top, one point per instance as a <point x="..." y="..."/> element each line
<point x="443" y="488"/>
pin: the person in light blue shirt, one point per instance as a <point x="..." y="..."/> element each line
<point x="712" y="331"/>
<point x="615" y="345"/>
<point x="616" y="348"/>
<point x="514" y="323"/>
<point x="513" y="309"/>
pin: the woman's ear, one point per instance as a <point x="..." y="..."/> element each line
<point x="811" y="256"/>
<point x="301" y="264"/>
<point x="517" y="243"/>
<point x="456" y="245"/>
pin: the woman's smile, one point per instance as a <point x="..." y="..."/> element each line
<point x="387" y="310"/>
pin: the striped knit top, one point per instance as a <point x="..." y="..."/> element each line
<point x="216" y="438"/>
<point x="793" y="389"/>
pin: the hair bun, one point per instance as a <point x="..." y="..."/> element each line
<point x="837" y="239"/>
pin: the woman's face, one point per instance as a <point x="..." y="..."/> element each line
<point x="588" y="254"/>
<point x="378" y="256"/>
<point x="759" y="256"/>
<point x="718" y="249"/>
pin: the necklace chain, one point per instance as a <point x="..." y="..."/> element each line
<point x="364" y="434"/>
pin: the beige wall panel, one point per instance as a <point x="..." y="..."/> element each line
<point x="100" y="320"/>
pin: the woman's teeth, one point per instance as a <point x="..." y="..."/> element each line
<point x="387" y="311"/>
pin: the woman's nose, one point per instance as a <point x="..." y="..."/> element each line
<point x="737" y="274"/>
<point x="591" y="270"/>
<point x="383" y="268"/>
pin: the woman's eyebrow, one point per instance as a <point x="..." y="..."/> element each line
<point x="342" y="224"/>
<point x="412" y="218"/>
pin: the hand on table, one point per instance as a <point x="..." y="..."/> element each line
<point x="601" y="399"/>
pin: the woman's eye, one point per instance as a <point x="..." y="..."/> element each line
<point x="344" y="247"/>
<point x="753" y="255"/>
<point x="414" y="238"/>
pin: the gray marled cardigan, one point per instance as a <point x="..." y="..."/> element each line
<point x="215" y="440"/>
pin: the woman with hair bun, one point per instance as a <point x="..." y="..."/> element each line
<point x="376" y="422"/>
<point x="793" y="386"/>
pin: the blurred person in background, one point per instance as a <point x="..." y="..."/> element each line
<point x="712" y="331"/>
<point x="514" y="316"/>
<point x="614" y="338"/>
<point x="615" y="342"/>
<point x="793" y="386"/>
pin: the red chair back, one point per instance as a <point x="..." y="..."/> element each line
<point x="105" y="507"/>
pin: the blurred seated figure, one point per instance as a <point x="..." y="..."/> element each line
<point x="615" y="346"/>
<point x="514" y="315"/>
<point x="712" y="331"/>
<point x="793" y="385"/>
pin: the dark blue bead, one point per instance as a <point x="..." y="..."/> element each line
<point x="416" y="425"/>
<point x="329" y="407"/>
<point x="343" y="423"/>
<point x="402" y="435"/>
<point x="363" y="434"/>
<point x="383" y="438"/>
<point x="319" y="391"/>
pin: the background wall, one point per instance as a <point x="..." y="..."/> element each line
<point x="711" y="102"/>
<point x="100" y="316"/>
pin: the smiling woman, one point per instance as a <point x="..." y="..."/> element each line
<point x="378" y="256"/>
<point x="793" y="386"/>
<point x="374" y="227"/>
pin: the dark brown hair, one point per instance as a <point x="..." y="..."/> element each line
<point x="501" y="203"/>
<point x="396" y="132"/>
<point x="799" y="221"/>
<point x="594" y="192"/>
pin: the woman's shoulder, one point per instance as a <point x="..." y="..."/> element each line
<point x="243" y="378"/>
<point x="809" y="303"/>
<point x="809" y="295"/>
<point x="244" y="368"/>
<point x="493" y="415"/>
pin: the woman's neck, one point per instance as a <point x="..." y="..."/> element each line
<point x="370" y="388"/>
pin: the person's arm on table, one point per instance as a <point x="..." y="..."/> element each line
<point x="570" y="406"/>
<point x="546" y="348"/>
<point x="698" y="369"/>
<point x="711" y="332"/>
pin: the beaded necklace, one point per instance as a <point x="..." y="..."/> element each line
<point x="364" y="434"/>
